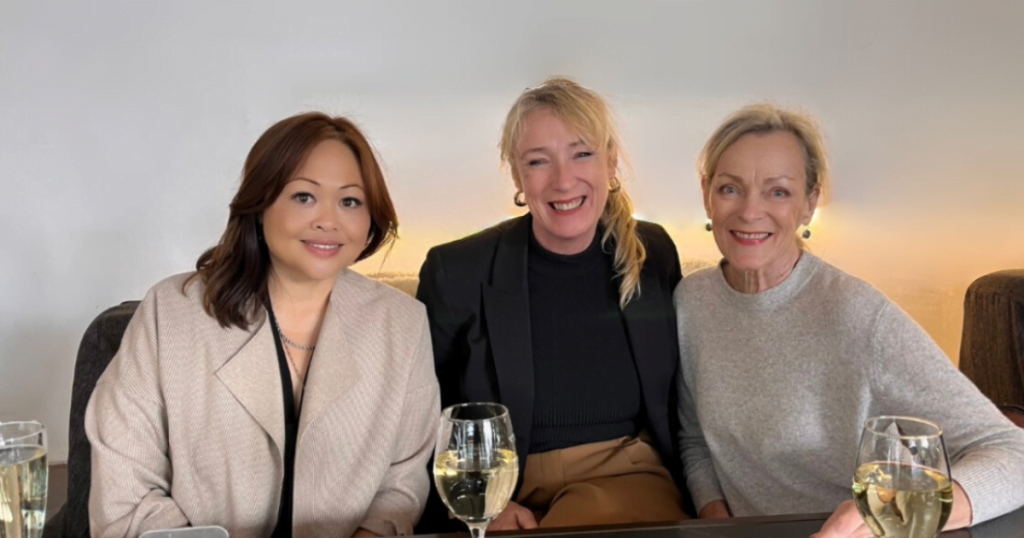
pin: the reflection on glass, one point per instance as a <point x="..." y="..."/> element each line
<point x="475" y="462"/>
<point x="902" y="486"/>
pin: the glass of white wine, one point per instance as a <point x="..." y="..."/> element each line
<point x="475" y="462"/>
<point x="22" y="479"/>
<point x="902" y="486"/>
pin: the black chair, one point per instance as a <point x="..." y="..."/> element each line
<point x="992" y="348"/>
<point x="99" y="344"/>
<point x="1015" y="413"/>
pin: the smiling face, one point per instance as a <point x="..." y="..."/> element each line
<point x="757" y="199"/>
<point x="320" y="222"/>
<point x="564" y="179"/>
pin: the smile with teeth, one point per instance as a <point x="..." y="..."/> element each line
<point x="751" y="236"/>
<point x="323" y="246"/>
<point x="568" y="206"/>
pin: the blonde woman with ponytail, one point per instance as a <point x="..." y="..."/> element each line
<point x="565" y="316"/>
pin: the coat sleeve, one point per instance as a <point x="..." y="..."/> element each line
<point x="402" y="495"/>
<point x="126" y="424"/>
<point x="912" y="376"/>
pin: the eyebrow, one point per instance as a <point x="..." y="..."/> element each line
<point x="579" y="142"/>
<point x="728" y="175"/>
<point x="769" y="180"/>
<point x="317" y="183"/>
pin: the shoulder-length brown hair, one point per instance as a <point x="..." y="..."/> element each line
<point x="235" y="271"/>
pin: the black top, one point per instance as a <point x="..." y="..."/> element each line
<point x="291" y="434"/>
<point x="586" y="388"/>
<point x="478" y="304"/>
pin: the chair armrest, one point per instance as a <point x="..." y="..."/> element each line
<point x="1015" y="413"/>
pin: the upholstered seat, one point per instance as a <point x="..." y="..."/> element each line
<point x="992" y="348"/>
<point x="99" y="344"/>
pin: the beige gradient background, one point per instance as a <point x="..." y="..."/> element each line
<point x="123" y="126"/>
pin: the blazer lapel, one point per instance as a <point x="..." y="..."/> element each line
<point x="334" y="369"/>
<point x="252" y="376"/>
<point x="507" y="314"/>
<point x="645" y="325"/>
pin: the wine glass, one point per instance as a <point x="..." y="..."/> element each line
<point x="23" y="475"/>
<point x="475" y="462"/>
<point x="902" y="486"/>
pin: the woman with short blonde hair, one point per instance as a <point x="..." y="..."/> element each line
<point x="784" y="356"/>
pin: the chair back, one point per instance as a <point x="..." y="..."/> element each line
<point x="99" y="344"/>
<point x="992" y="347"/>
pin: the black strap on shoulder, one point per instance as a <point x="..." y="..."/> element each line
<point x="291" y="433"/>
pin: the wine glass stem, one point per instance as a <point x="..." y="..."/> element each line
<point x="477" y="530"/>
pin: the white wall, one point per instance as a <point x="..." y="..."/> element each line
<point x="123" y="126"/>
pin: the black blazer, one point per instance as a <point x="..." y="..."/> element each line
<point x="476" y="296"/>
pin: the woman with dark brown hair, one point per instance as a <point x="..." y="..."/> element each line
<point x="274" y="392"/>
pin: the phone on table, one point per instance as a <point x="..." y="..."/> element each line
<point x="211" y="531"/>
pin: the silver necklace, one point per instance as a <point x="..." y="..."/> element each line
<point x="302" y="379"/>
<point x="293" y="344"/>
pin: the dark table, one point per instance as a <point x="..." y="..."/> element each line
<point x="796" y="526"/>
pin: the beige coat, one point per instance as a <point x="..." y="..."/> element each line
<point x="187" y="422"/>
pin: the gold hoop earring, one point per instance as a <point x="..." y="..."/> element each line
<point x="616" y="186"/>
<point x="517" y="201"/>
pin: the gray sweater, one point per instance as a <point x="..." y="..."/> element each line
<point x="775" y="387"/>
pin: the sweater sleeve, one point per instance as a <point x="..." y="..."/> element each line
<point x="701" y="478"/>
<point x="912" y="376"/>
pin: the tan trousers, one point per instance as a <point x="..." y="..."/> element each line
<point x="617" y="481"/>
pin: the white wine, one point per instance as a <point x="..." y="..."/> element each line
<point x="22" y="491"/>
<point x="900" y="500"/>
<point x="476" y="489"/>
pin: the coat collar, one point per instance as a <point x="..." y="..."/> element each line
<point x="507" y="311"/>
<point x="335" y="369"/>
<point x="646" y="327"/>
<point x="253" y="377"/>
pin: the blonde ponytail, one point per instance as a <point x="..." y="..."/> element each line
<point x="620" y="228"/>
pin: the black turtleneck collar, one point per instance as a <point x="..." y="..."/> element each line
<point x="550" y="263"/>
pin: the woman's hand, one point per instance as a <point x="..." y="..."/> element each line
<point x="514" y="517"/>
<point x="716" y="509"/>
<point x="846" y="521"/>
<point x="962" y="513"/>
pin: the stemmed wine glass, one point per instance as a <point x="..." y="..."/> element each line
<point x="902" y="486"/>
<point x="475" y="462"/>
